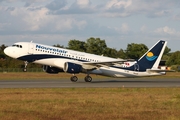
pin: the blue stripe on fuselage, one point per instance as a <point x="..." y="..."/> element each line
<point x="34" y="57"/>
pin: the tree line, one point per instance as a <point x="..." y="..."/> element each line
<point x="99" y="47"/>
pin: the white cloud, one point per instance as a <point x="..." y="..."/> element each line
<point x="125" y="8"/>
<point x="143" y="28"/>
<point x="81" y="24"/>
<point x="118" y="4"/>
<point x="162" y="13"/>
<point x="69" y="24"/>
<point x="56" y="4"/>
<point x="83" y="3"/>
<point x="77" y="7"/>
<point x="125" y="28"/>
<point x="177" y="17"/>
<point x="4" y="25"/>
<point x="36" y="19"/>
<point x="116" y="8"/>
<point x="166" y="30"/>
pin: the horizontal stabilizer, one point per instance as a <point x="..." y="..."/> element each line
<point x="159" y="70"/>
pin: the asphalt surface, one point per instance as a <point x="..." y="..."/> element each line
<point x="109" y="82"/>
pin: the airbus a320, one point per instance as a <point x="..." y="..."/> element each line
<point x="55" y="60"/>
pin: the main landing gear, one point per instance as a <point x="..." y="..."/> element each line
<point x="86" y="79"/>
<point x="74" y="78"/>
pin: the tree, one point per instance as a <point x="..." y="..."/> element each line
<point x="96" y="46"/>
<point x="2" y="55"/>
<point x="111" y="52"/>
<point x="121" y="54"/>
<point x="174" y="59"/>
<point x="166" y="51"/>
<point x="135" y="51"/>
<point x="77" y="45"/>
<point x="166" y="54"/>
<point x="59" y="46"/>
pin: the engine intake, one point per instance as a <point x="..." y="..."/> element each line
<point x="72" y="67"/>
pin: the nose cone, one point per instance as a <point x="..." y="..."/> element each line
<point x="6" y="51"/>
<point x="9" y="52"/>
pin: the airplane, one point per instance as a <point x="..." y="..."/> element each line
<point x="55" y="60"/>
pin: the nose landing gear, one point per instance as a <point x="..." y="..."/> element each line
<point x="25" y="66"/>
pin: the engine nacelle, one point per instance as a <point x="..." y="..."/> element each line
<point x="52" y="70"/>
<point x="72" y="67"/>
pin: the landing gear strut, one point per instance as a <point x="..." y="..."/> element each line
<point x="25" y="66"/>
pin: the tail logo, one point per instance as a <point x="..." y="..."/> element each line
<point x="150" y="56"/>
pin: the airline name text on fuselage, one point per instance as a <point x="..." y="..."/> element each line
<point x="50" y="49"/>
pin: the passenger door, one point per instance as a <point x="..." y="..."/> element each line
<point x="31" y="48"/>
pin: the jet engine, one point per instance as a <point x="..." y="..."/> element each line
<point x="72" y="67"/>
<point x="51" y="70"/>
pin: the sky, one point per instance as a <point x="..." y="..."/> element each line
<point x="118" y="22"/>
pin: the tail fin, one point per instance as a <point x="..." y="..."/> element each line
<point x="152" y="57"/>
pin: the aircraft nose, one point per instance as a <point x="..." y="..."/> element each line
<point x="9" y="52"/>
<point x="6" y="51"/>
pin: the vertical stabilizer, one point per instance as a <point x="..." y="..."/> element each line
<point x="152" y="57"/>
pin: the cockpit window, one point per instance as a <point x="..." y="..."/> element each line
<point x="15" y="45"/>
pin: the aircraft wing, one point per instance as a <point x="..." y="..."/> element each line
<point x="103" y="64"/>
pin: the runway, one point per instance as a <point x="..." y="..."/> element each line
<point x="109" y="82"/>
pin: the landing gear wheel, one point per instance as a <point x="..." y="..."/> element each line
<point x="25" y="70"/>
<point x="74" y="78"/>
<point x="88" y="78"/>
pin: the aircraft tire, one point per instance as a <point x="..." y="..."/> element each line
<point x="74" y="78"/>
<point x="88" y="79"/>
<point x="25" y="70"/>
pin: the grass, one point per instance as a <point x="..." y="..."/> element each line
<point x="90" y="103"/>
<point x="39" y="75"/>
<point x="87" y="103"/>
